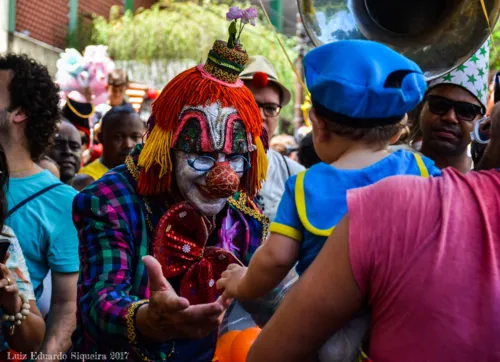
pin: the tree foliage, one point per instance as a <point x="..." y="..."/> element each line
<point x="495" y="53"/>
<point x="186" y="30"/>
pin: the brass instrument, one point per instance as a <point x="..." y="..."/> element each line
<point x="438" y="35"/>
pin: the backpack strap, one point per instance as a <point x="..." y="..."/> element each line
<point x="286" y="164"/>
<point x="32" y="197"/>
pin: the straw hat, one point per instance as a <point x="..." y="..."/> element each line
<point x="259" y="64"/>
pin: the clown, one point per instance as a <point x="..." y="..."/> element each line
<point x="157" y="232"/>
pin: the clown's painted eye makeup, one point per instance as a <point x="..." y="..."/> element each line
<point x="239" y="163"/>
<point x="204" y="163"/>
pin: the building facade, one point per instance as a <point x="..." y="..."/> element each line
<point x="42" y="28"/>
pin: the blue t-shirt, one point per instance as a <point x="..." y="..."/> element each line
<point x="316" y="200"/>
<point x="44" y="226"/>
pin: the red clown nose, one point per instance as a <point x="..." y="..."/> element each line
<point x="222" y="181"/>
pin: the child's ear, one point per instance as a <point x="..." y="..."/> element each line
<point x="402" y="131"/>
<point x="396" y="137"/>
<point x="320" y="128"/>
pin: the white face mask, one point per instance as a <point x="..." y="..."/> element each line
<point x="190" y="183"/>
<point x="209" y="133"/>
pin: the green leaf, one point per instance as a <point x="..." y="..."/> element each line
<point x="232" y="34"/>
<point x="232" y="29"/>
<point x="231" y="42"/>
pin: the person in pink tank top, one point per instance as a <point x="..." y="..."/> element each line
<point x="424" y="254"/>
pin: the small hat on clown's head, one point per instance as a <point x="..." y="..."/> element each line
<point x="206" y="109"/>
<point x="363" y="84"/>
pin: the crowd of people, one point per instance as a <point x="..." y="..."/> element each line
<point x="128" y="239"/>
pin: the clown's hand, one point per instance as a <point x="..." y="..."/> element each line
<point x="168" y="316"/>
<point x="231" y="281"/>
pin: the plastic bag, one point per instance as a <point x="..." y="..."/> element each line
<point x="262" y="309"/>
<point x="236" y="319"/>
<point x="343" y="346"/>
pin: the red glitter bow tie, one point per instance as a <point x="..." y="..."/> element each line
<point x="179" y="246"/>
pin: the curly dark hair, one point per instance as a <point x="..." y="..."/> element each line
<point x="33" y="90"/>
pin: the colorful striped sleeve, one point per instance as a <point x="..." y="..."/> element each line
<point x="112" y="277"/>
<point x="105" y="280"/>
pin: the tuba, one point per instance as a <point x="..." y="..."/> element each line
<point x="439" y="35"/>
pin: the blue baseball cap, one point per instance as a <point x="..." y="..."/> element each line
<point x="363" y="83"/>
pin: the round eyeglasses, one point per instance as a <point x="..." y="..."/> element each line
<point x="238" y="163"/>
<point x="270" y="109"/>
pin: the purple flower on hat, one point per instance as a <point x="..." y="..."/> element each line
<point x="249" y="15"/>
<point x="234" y="13"/>
<point x="246" y="16"/>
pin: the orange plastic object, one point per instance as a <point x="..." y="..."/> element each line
<point x="242" y="344"/>
<point x="223" y="348"/>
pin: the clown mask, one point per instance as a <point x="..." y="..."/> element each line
<point x="211" y="155"/>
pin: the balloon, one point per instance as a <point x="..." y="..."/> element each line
<point x="223" y="348"/>
<point x="152" y="94"/>
<point x="78" y="74"/>
<point x="242" y="344"/>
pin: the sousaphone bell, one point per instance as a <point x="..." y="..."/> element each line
<point x="439" y="35"/>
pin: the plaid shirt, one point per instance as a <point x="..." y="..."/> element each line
<point x="114" y="236"/>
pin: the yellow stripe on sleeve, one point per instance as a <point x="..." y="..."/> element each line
<point x="286" y="230"/>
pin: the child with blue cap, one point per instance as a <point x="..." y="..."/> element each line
<point x="361" y="92"/>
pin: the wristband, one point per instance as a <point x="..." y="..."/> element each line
<point x="15" y="320"/>
<point x="133" y="333"/>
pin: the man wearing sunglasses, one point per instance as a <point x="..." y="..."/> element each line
<point x="451" y="107"/>
<point x="270" y="95"/>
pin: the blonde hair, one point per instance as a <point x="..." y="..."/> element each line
<point x="283" y="143"/>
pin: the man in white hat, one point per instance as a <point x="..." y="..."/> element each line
<point x="261" y="78"/>
<point x="451" y="107"/>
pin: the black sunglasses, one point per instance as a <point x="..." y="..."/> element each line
<point x="464" y="111"/>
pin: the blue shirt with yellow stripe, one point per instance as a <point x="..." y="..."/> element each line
<point x="315" y="200"/>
